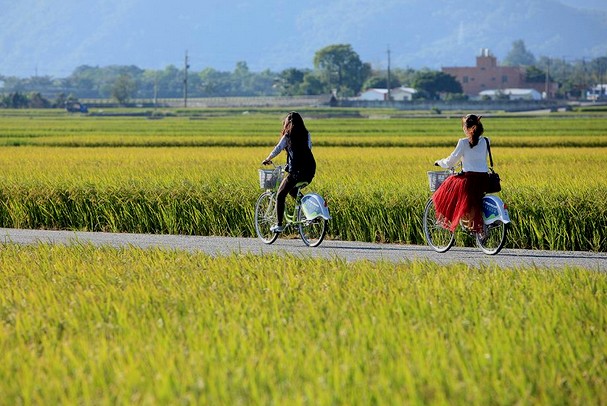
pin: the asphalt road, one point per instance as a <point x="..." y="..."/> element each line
<point x="345" y="250"/>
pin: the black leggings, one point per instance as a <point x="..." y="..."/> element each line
<point x="286" y="187"/>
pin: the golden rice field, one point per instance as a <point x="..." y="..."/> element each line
<point x="88" y="325"/>
<point x="197" y="173"/>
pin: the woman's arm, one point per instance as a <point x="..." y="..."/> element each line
<point x="452" y="159"/>
<point x="282" y="144"/>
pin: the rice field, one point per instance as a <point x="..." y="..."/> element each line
<point x="197" y="174"/>
<point x="87" y="325"/>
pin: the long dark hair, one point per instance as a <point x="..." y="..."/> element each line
<point x="295" y="129"/>
<point x="473" y="128"/>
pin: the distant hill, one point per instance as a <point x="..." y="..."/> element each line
<point x="53" y="38"/>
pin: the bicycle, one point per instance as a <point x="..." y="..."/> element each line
<point x="495" y="219"/>
<point x="310" y="215"/>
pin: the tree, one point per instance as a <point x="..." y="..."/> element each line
<point x="380" y="82"/>
<point x="433" y="83"/>
<point x="341" y="69"/>
<point x="535" y="75"/>
<point x="169" y="82"/>
<point x="15" y="101"/>
<point x="240" y="79"/>
<point x="288" y="82"/>
<point x="598" y="70"/>
<point x="123" y="88"/>
<point x="519" y="56"/>
<point x="312" y="85"/>
<point x="36" y="101"/>
<point x="215" y="83"/>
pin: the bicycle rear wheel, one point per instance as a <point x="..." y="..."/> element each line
<point x="265" y="217"/>
<point x="438" y="237"/>
<point x="312" y="232"/>
<point x="493" y="239"/>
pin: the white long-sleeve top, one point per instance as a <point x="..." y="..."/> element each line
<point x="473" y="159"/>
<point x="282" y="144"/>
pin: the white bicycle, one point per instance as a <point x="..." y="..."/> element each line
<point x="309" y="216"/>
<point x="495" y="219"/>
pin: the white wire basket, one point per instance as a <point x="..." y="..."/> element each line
<point x="269" y="178"/>
<point x="435" y="178"/>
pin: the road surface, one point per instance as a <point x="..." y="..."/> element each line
<point x="345" y="250"/>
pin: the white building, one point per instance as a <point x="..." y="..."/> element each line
<point x="597" y="92"/>
<point x="374" y="94"/>
<point x="398" y="94"/>
<point x="402" y="93"/>
<point x="513" y="94"/>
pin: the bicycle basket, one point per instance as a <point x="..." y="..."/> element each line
<point x="435" y="178"/>
<point x="269" y="178"/>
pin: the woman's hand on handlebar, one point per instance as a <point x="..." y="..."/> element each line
<point x="266" y="162"/>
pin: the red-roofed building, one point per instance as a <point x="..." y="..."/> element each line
<point x="488" y="75"/>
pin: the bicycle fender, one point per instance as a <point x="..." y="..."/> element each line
<point x="493" y="210"/>
<point x="314" y="206"/>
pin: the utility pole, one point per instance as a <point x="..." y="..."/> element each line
<point x="389" y="92"/>
<point x="155" y="88"/>
<point x="185" y="81"/>
<point x="547" y="80"/>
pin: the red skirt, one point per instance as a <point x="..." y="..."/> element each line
<point x="460" y="197"/>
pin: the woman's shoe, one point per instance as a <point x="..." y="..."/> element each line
<point x="277" y="228"/>
<point x="483" y="235"/>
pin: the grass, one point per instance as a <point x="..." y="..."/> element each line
<point x="85" y="325"/>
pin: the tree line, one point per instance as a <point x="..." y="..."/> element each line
<point x="337" y="70"/>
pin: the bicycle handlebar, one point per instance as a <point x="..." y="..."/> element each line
<point x="453" y="168"/>
<point x="270" y="162"/>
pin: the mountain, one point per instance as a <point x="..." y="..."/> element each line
<point x="43" y="37"/>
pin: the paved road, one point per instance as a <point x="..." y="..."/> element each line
<point x="347" y="250"/>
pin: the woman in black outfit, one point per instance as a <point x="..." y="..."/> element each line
<point x="301" y="166"/>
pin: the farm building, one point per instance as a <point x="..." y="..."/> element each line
<point x="487" y="75"/>
<point x="598" y="92"/>
<point x="398" y="94"/>
<point x="512" y="94"/>
<point x="374" y="94"/>
<point x="403" y="93"/>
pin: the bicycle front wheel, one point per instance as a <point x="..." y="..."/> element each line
<point x="312" y="232"/>
<point x="438" y="237"/>
<point x="493" y="239"/>
<point x="265" y="217"/>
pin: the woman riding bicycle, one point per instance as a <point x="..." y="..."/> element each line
<point x="301" y="166"/>
<point x="460" y="197"/>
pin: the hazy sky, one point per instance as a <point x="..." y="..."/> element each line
<point x="54" y="37"/>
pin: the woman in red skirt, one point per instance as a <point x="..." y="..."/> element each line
<point x="459" y="198"/>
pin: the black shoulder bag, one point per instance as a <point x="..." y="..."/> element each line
<point x="494" y="185"/>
